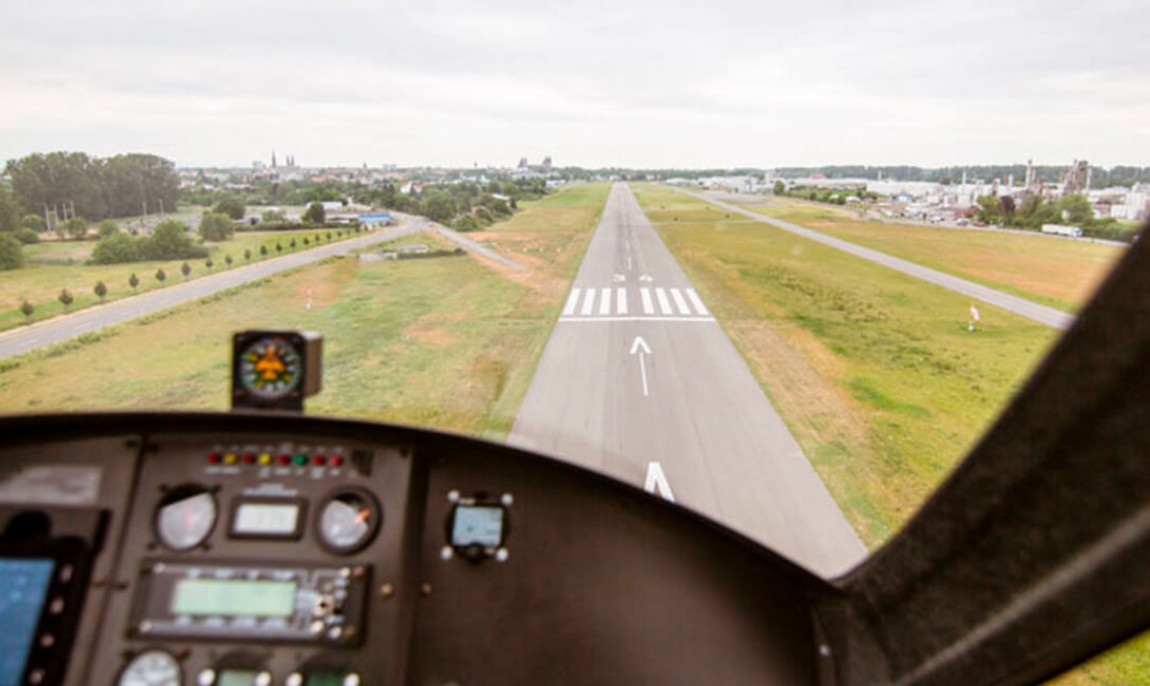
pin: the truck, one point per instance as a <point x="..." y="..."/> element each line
<point x="1062" y="230"/>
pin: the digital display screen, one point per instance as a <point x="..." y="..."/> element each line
<point x="477" y="525"/>
<point x="236" y="677"/>
<point x="23" y="587"/>
<point x="266" y="519"/>
<point x="234" y="597"/>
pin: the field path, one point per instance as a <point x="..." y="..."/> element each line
<point x="25" y="339"/>
<point x="1021" y="306"/>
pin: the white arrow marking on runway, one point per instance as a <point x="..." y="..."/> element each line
<point x="640" y="346"/>
<point x="657" y="482"/>
<point x="619" y="278"/>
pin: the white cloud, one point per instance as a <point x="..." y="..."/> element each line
<point x="604" y="83"/>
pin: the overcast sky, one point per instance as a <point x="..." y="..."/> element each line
<point x="637" y="84"/>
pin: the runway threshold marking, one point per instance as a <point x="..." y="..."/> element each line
<point x="657" y="482"/>
<point x="572" y="301"/>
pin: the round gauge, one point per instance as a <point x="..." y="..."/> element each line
<point x="151" y="668"/>
<point x="270" y="368"/>
<point x="185" y="517"/>
<point x="348" y="521"/>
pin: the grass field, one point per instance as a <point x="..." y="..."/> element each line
<point x="874" y="372"/>
<point x="1055" y="272"/>
<point x="445" y="342"/>
<point x="53" y="265"/>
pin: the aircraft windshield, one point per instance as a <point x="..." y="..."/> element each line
<point x="780" y="265"/>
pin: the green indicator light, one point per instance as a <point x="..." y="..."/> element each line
<point x="301" y="459"/>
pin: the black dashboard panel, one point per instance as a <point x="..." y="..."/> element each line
<point x="266" y="550"/>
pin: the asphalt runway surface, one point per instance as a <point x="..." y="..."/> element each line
<point x="640" y="382"/>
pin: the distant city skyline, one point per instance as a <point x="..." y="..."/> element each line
<point x="639" y="84"/>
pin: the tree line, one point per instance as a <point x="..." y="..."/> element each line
<point x="1034" y="211"/>
<point x="73" y="184"/>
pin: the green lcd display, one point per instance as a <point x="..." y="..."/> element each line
<point x="233" y="597"/>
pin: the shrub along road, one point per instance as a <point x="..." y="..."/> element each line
<point x="93" y="319"/>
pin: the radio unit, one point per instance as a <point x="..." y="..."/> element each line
<point x="306" y="604"/>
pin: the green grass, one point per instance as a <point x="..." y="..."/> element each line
<point x="873" y="371"/>
<point x="49" y="270"/>
<point x="1059" y="273"/>
<point x="450" y="344"/>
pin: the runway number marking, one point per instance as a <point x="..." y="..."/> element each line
<point x="657" y="482"/>
<point x="640" y="346"/>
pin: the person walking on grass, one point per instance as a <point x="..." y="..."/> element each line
<point x="974" y="318"/>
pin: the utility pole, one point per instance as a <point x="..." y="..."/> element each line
<point x="47" y="222"/>
<point x="161" y="208"/>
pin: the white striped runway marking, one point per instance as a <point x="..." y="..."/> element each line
<point x="675" y="304"/>
<point x="589" y="301"/>
<point x="697" y="302"/>
<point x="572" y="301"/>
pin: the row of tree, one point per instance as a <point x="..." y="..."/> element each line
<point x="1034" y="211"/>
<point x="74" y="184"/>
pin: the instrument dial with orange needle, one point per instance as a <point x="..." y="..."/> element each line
<point x="270" y="368"/>
<point x="348" y="521"/>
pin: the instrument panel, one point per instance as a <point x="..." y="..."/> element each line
<point x="208" y="550"/>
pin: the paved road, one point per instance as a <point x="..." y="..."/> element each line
<point x="1029" y="309"/>
<point x="472" y="245"/>
<point x="19" y="341"/>
<point x="690" y="405"/>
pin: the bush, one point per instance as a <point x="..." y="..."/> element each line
<point x="66" y="299"/>
<point x="27" y="236"/>
<point x="116" y="249"/>
<point x="26" y="309"/>
<point x="264" y="250"/>
<point x="209" y="264"/>
<point x="485" y="216"/>
<point x="186" y="269"/>
<point x="160" y="275"/>
<point x="11" y="252"/>
<point x="33" y="221"/>
<point x="315" y="213"/>
<point x="100" y="290"/>
<point x="133" y="281"/>
<point x="232" y="207"/>
<point x="107" y="228"/>
<point x="228" y="259"/>
<point x="270" y="216"/>
<point x="467" y="223"/>
<point x="248" y="255"/>
<point x="170" y="241"/>
<point x="216" y="226"/>
<point x="75" y="228"/>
